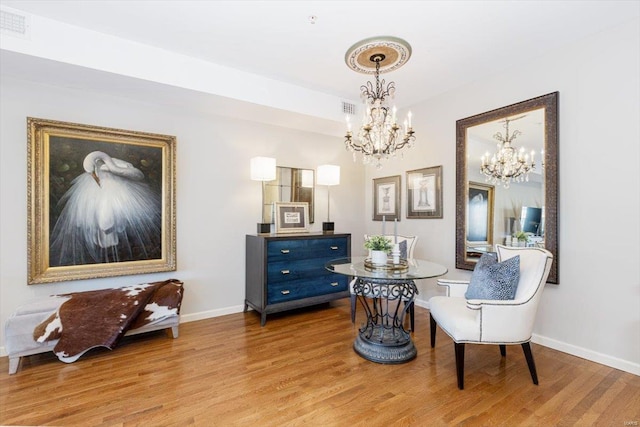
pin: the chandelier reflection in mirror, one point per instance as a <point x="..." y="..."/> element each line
<point x="379" y="136"/>
<point x="507" y="164"/>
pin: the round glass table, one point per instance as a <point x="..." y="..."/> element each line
<point x="386" y="292"/>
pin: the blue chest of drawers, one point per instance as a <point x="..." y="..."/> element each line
<point x="284" y="272"/>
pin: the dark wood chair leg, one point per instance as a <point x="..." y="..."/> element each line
<point x="432" y="323"/>
<point x="460" y="364"/>
<point x="526" y="347"/>
<point x="353" y="308"/>
<point x="411" y="316"/>
<point x="503" y="350"/>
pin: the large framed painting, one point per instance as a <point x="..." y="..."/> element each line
<point x="386" y="198"/>
<point x="424" y="193"/>
<point x="101" y="202"/>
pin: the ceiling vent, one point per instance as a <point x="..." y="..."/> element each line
<point x="348" y="108"/>
<point x="14" y="23"/>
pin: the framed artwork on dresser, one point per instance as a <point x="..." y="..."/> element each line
<point x="292" y="217"/>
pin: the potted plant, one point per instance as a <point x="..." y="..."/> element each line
<point x="521" y="237"/>
<point x="379" y="246"/>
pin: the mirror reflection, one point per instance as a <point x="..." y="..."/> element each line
<point x="290" y="185"/>
<point x="493" y="208"/>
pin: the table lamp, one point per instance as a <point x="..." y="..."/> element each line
<point x="263" y="169"/>
<point x="328" y="175"/>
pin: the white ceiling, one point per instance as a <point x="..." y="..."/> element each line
<point x="453" y="42"/>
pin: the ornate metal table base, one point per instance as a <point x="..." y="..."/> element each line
<point x="383" y="338"/>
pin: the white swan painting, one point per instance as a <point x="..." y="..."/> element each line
<point x="108" y="214"/>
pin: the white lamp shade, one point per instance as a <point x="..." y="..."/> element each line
<point x="328" y="175"/>
<point x="263" y="169"/>
<point x="307" y="178"/>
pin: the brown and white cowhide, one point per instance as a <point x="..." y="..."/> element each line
<point x="100" y="318"/>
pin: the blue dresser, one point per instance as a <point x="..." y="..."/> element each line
<point x="284" y="272"/>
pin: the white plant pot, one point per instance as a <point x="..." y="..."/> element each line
<point x="379" y="257"/>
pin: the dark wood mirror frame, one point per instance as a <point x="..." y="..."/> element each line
<point x="550" y="104"/>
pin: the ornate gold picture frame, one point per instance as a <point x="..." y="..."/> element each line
<point x="101" y="202"/>
<point x="479" y="218"/>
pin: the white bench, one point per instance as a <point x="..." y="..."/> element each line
<point x="19" y="328"/>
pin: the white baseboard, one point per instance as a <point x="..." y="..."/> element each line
<point x="584" y="353"/>
<point x="421" y="303"/>
<point x="185" y="318"/>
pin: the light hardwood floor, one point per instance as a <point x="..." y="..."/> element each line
<point x="300" y="369"/>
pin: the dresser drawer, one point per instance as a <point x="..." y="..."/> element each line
<point x="299" y="289"/>
<point x="296" y="249"/>
<point x="285" y="271"/>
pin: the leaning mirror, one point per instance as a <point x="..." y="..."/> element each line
<point x="290" y="185"/>
<point x="502" y="201"/>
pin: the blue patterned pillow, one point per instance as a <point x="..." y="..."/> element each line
<point x="494" y="280"/>
<point x="403" y="249"/>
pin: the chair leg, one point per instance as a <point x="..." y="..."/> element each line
<point x="432" y="323"/>
<point x="503" y="350"/>
<point x="412" y="316"/>
<point x="353" y="308"/>
<point x="459" y="347"/>
<point x="526" y="347"/>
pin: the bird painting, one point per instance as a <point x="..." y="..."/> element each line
<point x="108" y="214"/>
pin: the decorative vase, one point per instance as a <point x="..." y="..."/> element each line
<point x="379" y="257"/>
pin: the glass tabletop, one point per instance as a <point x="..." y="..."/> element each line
<point x="415" y="269"/>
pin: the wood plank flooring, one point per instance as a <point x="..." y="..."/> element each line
<point x="300" y="369"/>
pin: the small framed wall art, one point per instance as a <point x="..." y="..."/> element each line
<point x="424" y="193"/>
<point x="386" y="198"/>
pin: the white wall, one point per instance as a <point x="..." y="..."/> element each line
<point x="595" y="310"/>
<point x="217" y="203"/>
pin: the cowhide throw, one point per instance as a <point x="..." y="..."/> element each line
<point x="100" y="318"/>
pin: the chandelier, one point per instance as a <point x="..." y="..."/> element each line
<point x="379" y="136"/>
<point x="507" y="164"/>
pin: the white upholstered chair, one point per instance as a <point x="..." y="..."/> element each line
<point x="410" y="247"/>
<point x="498" y="322"/>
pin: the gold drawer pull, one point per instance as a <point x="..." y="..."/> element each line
<point x="285" y="292"/>
<point x="334" y="284"/>
<point x="284" y="251"/>
<point x="284" y="271"/>
<point x="334" y="248"/>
